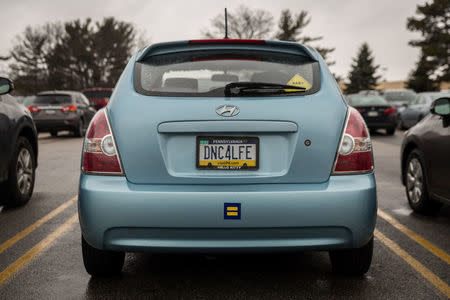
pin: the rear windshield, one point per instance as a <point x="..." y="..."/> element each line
<point x="52" y="99"/>
<point x="97" y="94"/>
<point x="203" y="74"/>
<point x="405" y="96"/>
<point x="366" y="100"/>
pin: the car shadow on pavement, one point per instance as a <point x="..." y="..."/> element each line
<point x="226" y="276"/>
<point x="61" y="135"/>
<point x="381" y="136"/>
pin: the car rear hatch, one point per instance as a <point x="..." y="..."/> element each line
<point x="158" y="135"/>
<point x="51" y="107"/>
<point x="376" y="113"/>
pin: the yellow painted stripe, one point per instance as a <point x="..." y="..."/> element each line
<point x="415" y="237"/>
<point x="232" y="208"/>
<point x="416" y="265"/>
<point x="36" y="250"/>
<point x="232" y="213"/>
<point x="36" y="225"/>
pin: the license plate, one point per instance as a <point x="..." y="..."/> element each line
<point x="227" y="153"/>
<point x="50" y="112"/>
<point x="372" y="114"/>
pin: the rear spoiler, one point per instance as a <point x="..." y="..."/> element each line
<point x="210" y="44"/>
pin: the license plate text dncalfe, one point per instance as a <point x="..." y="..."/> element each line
<point x="228" y="153"/>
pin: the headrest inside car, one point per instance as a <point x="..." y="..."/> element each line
<point x="270" y="77"/>
<point x="183" y="84"/>
<point x="225" y="78"/>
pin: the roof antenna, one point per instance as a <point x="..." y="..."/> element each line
<point x="226" y="24"/>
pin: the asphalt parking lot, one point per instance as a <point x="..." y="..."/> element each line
<point x="40" y="250"/>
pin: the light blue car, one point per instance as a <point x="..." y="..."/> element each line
<point x="227" y="146"/>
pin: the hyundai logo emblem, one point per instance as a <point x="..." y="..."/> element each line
<point x="227" y="110"/>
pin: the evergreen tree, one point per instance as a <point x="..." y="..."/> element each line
<point x="433" y="22"/>
<point x="75" y="55"/>
<point x="290" y="28"/>
<point x="420" y="79"/>
<point x="362" y="74"/>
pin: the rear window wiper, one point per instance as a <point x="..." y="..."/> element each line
<point x="240" y="88"/>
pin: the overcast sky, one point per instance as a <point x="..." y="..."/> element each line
<point x="343" y="24"/>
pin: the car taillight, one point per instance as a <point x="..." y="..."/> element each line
<point x="33" y="109"/>
<point x="100" y="154"/>
<point x="389" y="111"/>
<point x="355" y="150"/>
<point x="69" y="108"/>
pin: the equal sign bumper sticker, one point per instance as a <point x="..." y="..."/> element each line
<point x="232" y="211"/>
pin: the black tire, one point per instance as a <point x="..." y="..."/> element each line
<point x="352" y="261"/>
<point x="54" y="133"/>
<point x="390" y="131"/>
<point x="101" y="263"/>
<point x="422" y="203"/>
<point x="18" y="194"/>
<point x="79" y="130"/>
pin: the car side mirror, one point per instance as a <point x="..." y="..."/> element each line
<point x="6" y="86"/>
<point x="441" y="107"/>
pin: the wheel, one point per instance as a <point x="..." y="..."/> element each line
<point x="390" y="131"/>
<point x="79" y="131"/>
<point x="416" y="185"/>
<point x="100" y="262"/>
<point x="54" y="133"/>
<point x="21" y="174"/>
<point x="352" y="261"/>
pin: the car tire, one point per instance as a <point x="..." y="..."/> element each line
<point x="354" y="262"/>
<point x="21" y="174"/>
<point x="79" y="131"/>
<point x="390" y="131"/>
<point x="402" y="126"/>
<point x="101" y="263"/>
<point x="416" y="185"/>
<point x="54" y="133"/>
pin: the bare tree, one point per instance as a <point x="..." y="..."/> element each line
<point x="243" y="23"/>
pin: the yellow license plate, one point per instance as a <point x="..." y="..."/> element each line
<point x="227" y="153"/>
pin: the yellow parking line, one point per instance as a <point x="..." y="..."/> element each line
<point x="35" y="225"/>
<point x="416" y="265"/>
<point x="36" y="250"/>
<point x="415" y="237"/>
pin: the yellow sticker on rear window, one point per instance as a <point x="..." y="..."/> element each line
<point x="299" y="81"/>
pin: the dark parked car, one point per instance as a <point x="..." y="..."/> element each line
<point x="425" y="160"/>
<point x="61" y="110"/>
<point x="376" y="111"/>
<point x="18" y="149"/>
<point x="419" y="108"/>
<point x="99" y="97"/>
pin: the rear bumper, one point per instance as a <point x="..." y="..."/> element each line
<point x="47" y="125"/>
<point x="384" y="124"/>
<point x="117" y="215"/>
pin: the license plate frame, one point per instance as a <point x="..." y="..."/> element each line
<point x="250" y="139"/>
<point x="50" y="111"/>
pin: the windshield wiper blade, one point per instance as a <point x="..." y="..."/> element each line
<point x="237" y="88"/>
